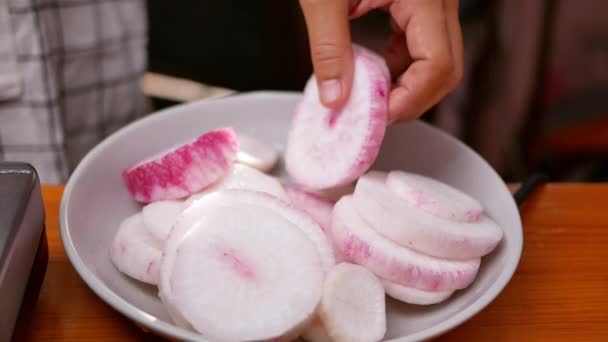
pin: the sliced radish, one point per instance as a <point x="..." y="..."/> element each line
<point x="244" y="271"/>
<point x="135" y="252"/>
<point x="242" y="177"/>
<point x="411" y="295"/>
<point x="256" y="154"/>
<point x="159" y="217"/>
<point x="317" y="207"/>
<point x="184" y="170"/>
<point x="408" y="226"/>
<point x="197" y="213"/>
<point x="434" y="197"/>
<point x="329" y="148"/>
<point x="353" y="305"/>
<point x="360" y="244"/>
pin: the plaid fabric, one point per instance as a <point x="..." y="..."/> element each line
<point x="80" y="64"/>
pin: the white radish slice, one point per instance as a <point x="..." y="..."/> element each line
<point x="360" y="244"/>
<point x="135" y="252"/>
<point x="184" y="170"/>
<point x="353" y="305"/>
<point x="246" y="178"/>
<point x="392" y="217"/>
<point x="245" y="272"/>
<point x="256" y="154"/>
<point x="434" y="197"/>
<point x="329" y="148"/>
<point x="159" y="217"/>
<point x="175" y="315"/>
<point x="411" y="295"/>
<point x="317" y="207"/>
<point x="196" y="213"/>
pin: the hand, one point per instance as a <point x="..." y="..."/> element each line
<point x="425" y="51"/>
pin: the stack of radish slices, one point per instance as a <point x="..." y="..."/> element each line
<point x="239" y="255"/>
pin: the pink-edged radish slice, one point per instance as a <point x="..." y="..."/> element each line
<point x="135" y="252"/>
<point x="411" y="295"/>
<point x="317" y="207"/>
<point x="353" y="305"/>
<point x="205" y="206"/>
<point x="242" y="177"/>
<point x="394" y="218"/>
<point x="434" y="197"/>
<point x="330" y="148"/>
<point x="159" y="217"/>
<point x="244" y="271"/>
<point x="256" y="154"/>
<point x="360" y="244"/>
<point x="184" y="170"/>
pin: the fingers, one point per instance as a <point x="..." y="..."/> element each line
<point x="455" y="32"/>
<point x="396" y="55"/>
<point x="433" y="72"/>
<point x="330" y="48"/>
<point x="360" y="7"/>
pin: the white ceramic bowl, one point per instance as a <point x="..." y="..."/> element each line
<point x="96" y="201"/>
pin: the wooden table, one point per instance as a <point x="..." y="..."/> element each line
<point x="559" y="292"/>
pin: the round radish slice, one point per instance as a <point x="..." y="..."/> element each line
<point x="317" y="207"/>
<point x="408" y="226"/>
<point x="244" y="272"/>
<point x="353" y="305"/>
<point x="256" y="154"/>
<point x="206" y="206"/>
<point x="243" y="177"/>
<point x="434" y="197"/>
<point x="360" y="244"/>
<point x="135" y="252"/>
<point x="411" y="295"/>
<point x="329" y="148"/>
<point x="159" y="217"/>
<point x="184" y="170"/>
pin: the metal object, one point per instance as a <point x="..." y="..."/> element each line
<point x="528" y="186"/>
<point x="22" y="239"/>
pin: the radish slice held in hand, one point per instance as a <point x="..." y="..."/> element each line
<point x="256" y="154"/>
<point x="411" y="295"/>
<point x="135" y="252"/>
<point x="233" y="283"/>
<point x="360" y="244"/>
<point x="184" y="170"/>
<point x="395" y="219"/>
<point x="434" y="197"/>
<point x="353" y="305"/>
<point x="330" y="148"/>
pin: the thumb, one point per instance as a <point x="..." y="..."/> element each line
<point x="327" y="23"/>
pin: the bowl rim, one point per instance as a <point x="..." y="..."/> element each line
<point x="141" y="317"/>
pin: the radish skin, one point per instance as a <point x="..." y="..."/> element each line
<point x="185" y="170"/>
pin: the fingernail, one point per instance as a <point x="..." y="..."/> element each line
<point x="331" y="91"/>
